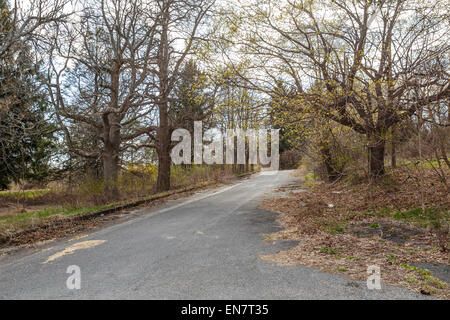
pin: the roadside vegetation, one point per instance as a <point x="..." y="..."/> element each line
<point x="22" y="210"/>
<point x="345" y="226"/>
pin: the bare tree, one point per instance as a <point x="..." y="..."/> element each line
<point x="27" y="20"/>
<point x="115" y="70"/>
<point x="99" y="74"/>
<point x="363" y="57"/>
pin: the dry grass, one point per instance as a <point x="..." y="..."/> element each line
<point x="21" y="210"/>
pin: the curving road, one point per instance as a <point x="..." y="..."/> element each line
<point x="203" y="247"/>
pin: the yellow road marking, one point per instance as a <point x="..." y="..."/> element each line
<point x="47" y="249"/>
<point x="81" y="236"/>
<point x="73" y="248"/>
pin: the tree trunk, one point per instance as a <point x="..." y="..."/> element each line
<point x="164" y="139"/>
<point x="111" y="139"/>
<point x="163" y="183"/>
<point x="393" y="154"/>
<point x="442" y="147"/>
<point x="110" y="172"/>
<point x="110" y="157"/>
<point x="377" y="146"/>
<point x="327" y="160"/>
<point x="235" y="167"/>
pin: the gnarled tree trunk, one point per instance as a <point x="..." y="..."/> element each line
<point x="376" y="149"/>
<point x="163" y="183"/>
<point x="110" y="175"/>
<point x="163" y="148"/>
<point x="110" y="157"/>
<point x="393" y="154"/>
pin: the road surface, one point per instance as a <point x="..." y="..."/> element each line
<point x="203" y="247"/>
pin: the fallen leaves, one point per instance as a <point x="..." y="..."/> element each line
<point x="354" y="239"/>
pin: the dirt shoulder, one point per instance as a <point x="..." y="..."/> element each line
<point x="344" y="228"/>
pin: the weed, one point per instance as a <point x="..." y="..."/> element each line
<point x="327" y="250"/>
<point x="391" y="258"/>
<point x="353" y="258"/>
<point x="410" y="279"/>
<point x="337" y="230"/>
<point x="426" y="276"/>
<point x="342" y="269"/>
<point x="369" y="214"/>
<point x="434" y="281"/>
<point x="407" y="266"/>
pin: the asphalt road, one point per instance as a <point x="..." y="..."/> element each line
<point x="203" y="247"/>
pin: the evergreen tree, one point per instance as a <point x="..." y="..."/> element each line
<point x="26" y="139"/>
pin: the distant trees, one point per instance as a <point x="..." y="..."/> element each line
<point x="194" y="100"/>
<point x="237" y="107"/>
<point x="194" y="97"/>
